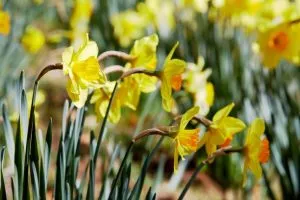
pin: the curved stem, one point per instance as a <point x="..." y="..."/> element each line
<point x="47" y="69"/>
<point x="200" y="119"/>
<point x="139" y="71"/>
<point x="113" y="69"/>
<point x="117" y="54"/>
<point x="192" y="178"/>
<point x="151" y="131"/>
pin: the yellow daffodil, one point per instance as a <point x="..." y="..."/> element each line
<point x="171" y="78"/>
<point x="197" y="5"/>
<point x="144" y="53"/>
<point x="33" y="39"/>
<point x="159" y="14"/>
<point x="83" y="71"/>
<point x="128" y="26"/>
<point x="222" y="128"/>
<point x="186" y="141"/>
<point x="101" y="97"/>
<point x="279" y="42"/>
<point x="256" y="149"/>
<point x="196" y="83"/>
<point x="80" y="19"/>
<point x="4" y="22"/>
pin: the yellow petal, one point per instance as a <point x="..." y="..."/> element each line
<point x="224" y="112"/>
<point x="174" y="67"/>
<point x="89" y="70"/>
<point x="187" y="141"/>
<point x="67" y="56"/>
<point x="233" y="125"/>
<point x="210" y="148"/>
<point x="145" y="52"/>
<point x="172" y="52"/>
<point x="255" y="167"/>
<point x="166" y="94"/>
<point x="130" y="93"/>
<point x="77" y="99"/>
<point x="210" y="93"/>
<point x="255" y="131"/>
<point x="175" y="160"/>
<point x="187" y="116"/>
<point x="216" y="136"/>
<point x="87" y="49"/>
<point x="146" y="83"/>
<point x="4" y="22"/>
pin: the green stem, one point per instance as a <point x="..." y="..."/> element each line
<point x="192" y="178"/>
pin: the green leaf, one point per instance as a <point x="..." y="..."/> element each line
<point x="137" y="188"/>
<point x="2" y="185"/>
<point x="104" y="123"/>
<point x="34" y="181"/>
<point x="8" y="134"/>
<point x="19" y="160"/>
<point x="119" y="171"/>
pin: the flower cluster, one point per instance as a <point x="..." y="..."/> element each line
<point x="274" y="23"/>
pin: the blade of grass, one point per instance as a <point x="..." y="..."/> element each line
<point x="189" y="183"/>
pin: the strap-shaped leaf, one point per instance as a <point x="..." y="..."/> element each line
<point x="34" y="181"/>
<point x="2" y="184"/>
<point x="8" y="134"/>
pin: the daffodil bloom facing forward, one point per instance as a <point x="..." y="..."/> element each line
<point x="144" y="53"/>
<point x="186" y="141"/>
<point x="256" y="149"/>
<point x="33" y="39"/>
<point x="222" y="128"/>
<point x="279" y="42"/>
<point x="4" y="22"/>
<point x="83" y="71"/>
<point x="171" y="79"/>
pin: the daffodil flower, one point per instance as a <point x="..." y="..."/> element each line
<point x="144" y="53"/>
<point x="128" y="26"/>
<point x="278" y="43"/>
<point x="4" y="22"/>
<point x="195" y="82"/>
<point x="221" y="129"/>
<point x="186" y="141"/>
<point x="256" y="149"/>
<point x="33" y="39"/>
<point x="83" y="71"/>
<point x="101" y="97"/>
<point x="171" y="78"/>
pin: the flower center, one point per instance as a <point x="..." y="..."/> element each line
<point x="279" y="41"/>
<point x="264" y="151"/>
<point x="176" y="82"/>
<point x="226" y="143"/>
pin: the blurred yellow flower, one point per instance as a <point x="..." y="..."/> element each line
<point x="80" y="19"/>
<point x="144" y="53"/>
<point x="171" y="78"/>
<point x="196" y="83"/>
<point x="33" y="39"/>
<point x="186" y="140"/>
<point x="101" y="97"/>
<point x="222" y="128"/>
<point x="159" y="14"/>
<point x="256" y="149"/>
<point x="279" y="42"/>
<point x="128" y="26"/>
<point x="4" y="22"/>
<point x="197" y="5"/>
<point x="83" y="70"/>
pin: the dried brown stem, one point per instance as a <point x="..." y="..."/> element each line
<point x="221" y="152"/>
<point x="151" y="131"/>
<point x="47" y="69"/>
<point x="200" y="119"/>
<point x="117" y="54"/>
